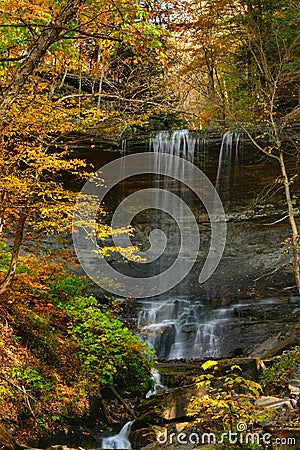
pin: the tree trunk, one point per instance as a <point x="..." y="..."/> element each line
<point x="121" y="400"/>
<point x="2" y="210"/>
<point x="15" y="253"/>
<point x="36" y="52"/>
<point x="295" y="238"/>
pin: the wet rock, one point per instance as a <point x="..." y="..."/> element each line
<point x="181" y="373"/>
<point x="268" y="310"/>
<point x="6" y="440"/>
<point x="255" y="321"/>
<point x="165" y="406"/>
<point x="142" y="437"/>
<point x="179" y="401"/>
<point x="272" y="346"/>
<point x="281" y="405"/>
<point x="260" y="350"/>
<point x="294" y="299"/>
<point x="166" y="340"/>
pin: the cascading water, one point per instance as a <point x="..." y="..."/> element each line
<point x="120" y="440"/>
<point x="184" y="328"/>
<point x="178" y="143"/>
<point x="180" y="327"/>
<point x="228" y="159"/>
<point x="158" y="386"/>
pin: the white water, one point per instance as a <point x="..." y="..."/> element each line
<point x="179" y="143"/>
<point x="228" y="159"/>
<point x="182" y="328"/>
<point x="120" y="440"/>
<point x="182" y="144"/>
<point x="179" y="327"/>
<point x="158" y="386"/>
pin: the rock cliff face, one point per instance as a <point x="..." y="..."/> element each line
<point x="254" y="205"/>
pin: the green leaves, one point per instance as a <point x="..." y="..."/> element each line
<point x="110" y="354"/>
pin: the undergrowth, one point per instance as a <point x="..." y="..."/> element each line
<point x="274" y="379"/>
<point x="57" y="348"/>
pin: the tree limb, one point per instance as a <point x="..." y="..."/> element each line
<point x="36" y="52"/>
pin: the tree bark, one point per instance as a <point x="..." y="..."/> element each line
<point x="15" y="253"/>
<point x="295" y="235"/>
<point x="36" y="52"/>
<point x="121" y="400"/>
<point x="2" y="210"/>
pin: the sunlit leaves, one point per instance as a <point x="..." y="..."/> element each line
<point x="229" y="398"/>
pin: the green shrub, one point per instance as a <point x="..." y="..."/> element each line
<point x="109" y="352"/>
<point x="274" y="379"/>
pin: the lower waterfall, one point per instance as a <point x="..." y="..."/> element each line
<point x="120" y="440"/>
<point x="183" y="328"/>
<point x="158" y="386"/>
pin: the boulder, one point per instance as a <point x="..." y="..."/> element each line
<point x="281" y="405"/>
<point x="142" y="437"/>
<point x="166" y="406"/>
<point x="272" y="346"/>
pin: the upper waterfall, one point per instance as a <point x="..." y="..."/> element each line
<point x="180" y="143"/>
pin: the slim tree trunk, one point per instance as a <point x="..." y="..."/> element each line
<point x="295" y="234"/>
<point x="2" y="210"/>
<point x="36" y="52"/>
<point x="121" y="400"/>
<point x="15" y="253"/>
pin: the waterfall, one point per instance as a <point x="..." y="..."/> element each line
<point x="228" y="159"/>
<point x="183" y="328"/>
<point x="183" y="144"/>
<point x="180" y="327"/>
<point x="179" y="143"/>
<point x="158" y="386"/>
<point x="120" y="440"/>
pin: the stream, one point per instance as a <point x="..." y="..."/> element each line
<point x="120" y="440"/>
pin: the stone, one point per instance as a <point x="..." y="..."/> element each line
<point x="142" y="437"/>
<point x="166" y="406"/>
<point x="294" y="299"/>
<point x="181" y="426"/>
<point x="260" y="350"/>
<point x="166" y="340"/>
<point x="181" y="373"/>
<point x="179" y="401"/>
<point x="281" y="405"/>
<point x="272" y="346"/>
